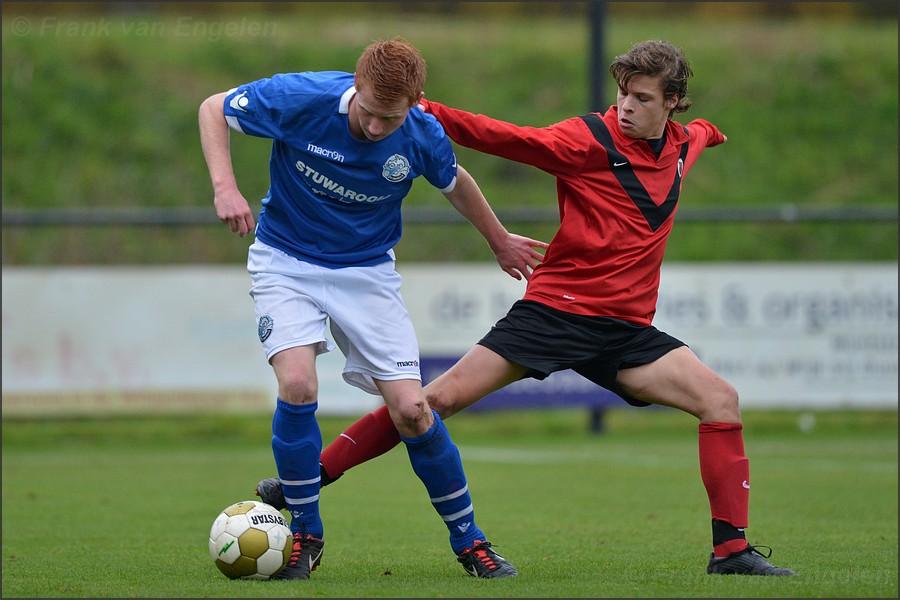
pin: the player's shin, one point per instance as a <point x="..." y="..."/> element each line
<point x="369" y="437"/>
<point x="435" y="459"/>
<point x="296" y="444"/>
<point x="725" y="471"/>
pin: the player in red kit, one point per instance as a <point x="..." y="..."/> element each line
<point x="589" y="305"/>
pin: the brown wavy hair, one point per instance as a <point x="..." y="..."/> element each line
<point x="653" y="58"/>
<point x="394" y="69"/>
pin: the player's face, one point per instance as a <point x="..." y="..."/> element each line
<point x="643" y="109"/>
<point x="372" y="120"/>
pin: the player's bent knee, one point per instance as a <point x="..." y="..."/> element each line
<point x="723" y="404"/>
<point x="297" y="390"/>
<point x="411" y="418"/>
<point x="439" y="402"/>
<point x="448" y="395"/>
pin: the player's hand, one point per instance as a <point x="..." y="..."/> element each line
<point x="233" y="210"/>
<point x="518" y="255"/>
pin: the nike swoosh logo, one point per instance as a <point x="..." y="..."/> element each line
<point x="746" y="485"/>
<point x="315" y="560"/>
<point x="617" y="164"/>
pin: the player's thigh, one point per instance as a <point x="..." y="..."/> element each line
<point x="371" y="324"/>
<point x="681" y="380"/>
<point x="286" y="300"/>
<point x="478" y="373"/>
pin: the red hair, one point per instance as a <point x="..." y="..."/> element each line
<point x="394" y="69"/>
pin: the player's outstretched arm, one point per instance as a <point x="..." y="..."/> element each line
<point x="516" y="254"/>
<point x="231" y="206"/>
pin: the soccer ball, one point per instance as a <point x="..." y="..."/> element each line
<point x="250" y="540"/>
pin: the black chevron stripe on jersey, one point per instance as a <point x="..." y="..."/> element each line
<point x="621" y="168"/>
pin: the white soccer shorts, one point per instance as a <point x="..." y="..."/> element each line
<point x="295" y="301"/>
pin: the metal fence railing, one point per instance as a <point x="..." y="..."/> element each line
<point x="192" y="216"/>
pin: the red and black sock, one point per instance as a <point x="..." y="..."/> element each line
<point x="369" y="437"/>
<point x="725" y="471"/>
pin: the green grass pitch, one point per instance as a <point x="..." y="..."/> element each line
<point x="121" y="507"/>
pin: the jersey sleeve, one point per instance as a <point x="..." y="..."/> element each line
<point x="259" y="108"/>
<point x="557" y="149"/>
<point x="704" y="132"/>
<point x="440" y="168"/>
<point x="703" y="135"/>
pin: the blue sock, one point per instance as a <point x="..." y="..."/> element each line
<point x="436" y="461"/>
<point x="296" y="444"/>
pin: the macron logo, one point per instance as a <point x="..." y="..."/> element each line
<point x="332" y="154"/>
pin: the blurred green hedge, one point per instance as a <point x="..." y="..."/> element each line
<point x="100" y="110"/>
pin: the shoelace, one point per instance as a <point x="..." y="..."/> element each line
<point x="479" y="551"/>
<point x="295" y="551"/>
<point x="755" y="550"/>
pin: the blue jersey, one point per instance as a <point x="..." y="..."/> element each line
<point x="334" y="200"/>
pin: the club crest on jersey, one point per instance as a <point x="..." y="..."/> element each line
<point x="264" y="329"/>
<point x="396" y="168"/>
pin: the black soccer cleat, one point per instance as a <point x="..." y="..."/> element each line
<point x="305" y="557"/>
<point x="481" y="561"/>
<point x="749" y="561"/>
<point x="269" y="490"/>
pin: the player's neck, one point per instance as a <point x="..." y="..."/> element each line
<point x="353" y="121"/>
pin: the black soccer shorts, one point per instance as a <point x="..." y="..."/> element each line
<point x="545" y="340"/>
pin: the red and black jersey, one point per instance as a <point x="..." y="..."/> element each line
<point x="617" y="202"/>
